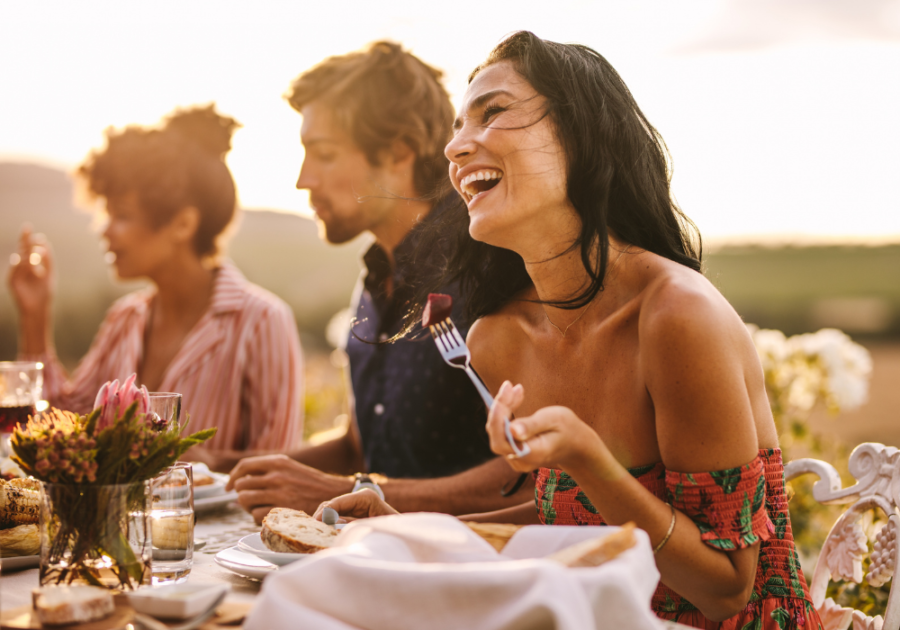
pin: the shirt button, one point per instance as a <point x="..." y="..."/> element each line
<point x="379" y="409"/>
<point x="383" y="337"/>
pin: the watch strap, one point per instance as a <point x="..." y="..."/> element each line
<point x="364" y="481"/>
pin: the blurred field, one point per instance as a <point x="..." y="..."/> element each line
<point x="794" y="289"/>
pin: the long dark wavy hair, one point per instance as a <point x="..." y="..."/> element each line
<point x="618" y="178"/>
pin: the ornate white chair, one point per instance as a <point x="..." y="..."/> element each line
<point x="876" y="468"/>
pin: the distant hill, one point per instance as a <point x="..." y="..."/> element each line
<point x="795" y="289"/>
<point x="278" y="251"/>
<point x="802" y="289"/>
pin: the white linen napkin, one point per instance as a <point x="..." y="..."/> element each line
<point x="430" y="571"/>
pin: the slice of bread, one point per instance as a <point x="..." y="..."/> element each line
<point x="594" y="552"/>
<point x="497" y="534"/>
<point x="294" y="531"/>
<point x="61" y="605"/>
<point x="24" y="540"/>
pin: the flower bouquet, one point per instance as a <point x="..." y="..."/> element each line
<point x="96" y="469"/>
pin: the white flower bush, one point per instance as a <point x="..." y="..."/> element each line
<point x="804" y="369"/>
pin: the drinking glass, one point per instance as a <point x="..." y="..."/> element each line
<point x="172" y="515"/>
<point x="21" y="383"/>
<point x="172" y="524"/>
<point x="165" y="408"/>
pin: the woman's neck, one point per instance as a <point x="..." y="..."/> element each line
<point x="184" y="290"/>
<point x="560" y="275"/>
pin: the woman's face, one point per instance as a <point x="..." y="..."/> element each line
<point x="507" y="162"/>
<point x="138" y="248"/>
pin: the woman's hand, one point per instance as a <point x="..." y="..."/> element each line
<point x="360" y="504"/>
<point x="31" y="275"/>
<point x="556" y="436"/>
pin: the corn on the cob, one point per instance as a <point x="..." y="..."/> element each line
<point x="18" y="506"/>
<point x="28" y="483"/>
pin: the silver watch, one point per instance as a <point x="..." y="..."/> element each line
<point x="364" y="481"/>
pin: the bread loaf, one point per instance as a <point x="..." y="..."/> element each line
<point x="61" y="605"/>
<point x="594" y="552"/>
<point x="497" y="534"/>
<point x="294" y="531"/>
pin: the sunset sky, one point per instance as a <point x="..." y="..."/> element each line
<point x="782" y="116"/>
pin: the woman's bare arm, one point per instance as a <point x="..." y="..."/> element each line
<point x="523" y="514"/>
<point x="693" y="364"/>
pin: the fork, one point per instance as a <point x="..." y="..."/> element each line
<point x="456" y="354"/>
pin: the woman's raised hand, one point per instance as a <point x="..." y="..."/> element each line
<point x="31" y="276"/>
<point x="557" y="437"/>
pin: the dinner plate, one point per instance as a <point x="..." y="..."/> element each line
<point x="210" y="490"/>
<point x="244" y="563"/>
<point x="16" y="563"/>
<point x="216" y="502"/>
<point x="254" y="544"/>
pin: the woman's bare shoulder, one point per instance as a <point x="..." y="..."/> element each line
<point x="696" y="355"/>
<point x="678" y="299"/>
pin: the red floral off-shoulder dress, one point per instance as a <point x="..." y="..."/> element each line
<point x="733" y="508"/>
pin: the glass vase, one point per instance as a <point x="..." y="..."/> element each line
<point x="96" y="534"/>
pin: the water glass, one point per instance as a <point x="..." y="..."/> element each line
<point x="172" y="524"/>
<point x="165" y="408"/>
<point x="21" y="383"/>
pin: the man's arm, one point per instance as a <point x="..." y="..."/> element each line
<point x="475" y="490"/>
<point x="278" y="481"/>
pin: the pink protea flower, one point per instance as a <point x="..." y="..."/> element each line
<point x="114" y="400"/>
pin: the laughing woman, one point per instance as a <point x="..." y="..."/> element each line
<point x="639" y="391"/>
<point x="229" y="347"/>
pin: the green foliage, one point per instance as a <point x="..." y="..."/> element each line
<point x="65" y="448"/>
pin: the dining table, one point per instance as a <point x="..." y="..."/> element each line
<point x="214" y="531"/>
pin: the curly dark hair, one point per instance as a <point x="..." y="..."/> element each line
<point x="382" y="94"/>
<point x="170" y="167"/>
<point x="618" y="178"/>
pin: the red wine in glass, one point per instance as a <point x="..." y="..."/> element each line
<point x="11" y="416"/>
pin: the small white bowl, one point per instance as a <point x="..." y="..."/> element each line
<point x="176" y="601"/>
<point x="254" y="544"/>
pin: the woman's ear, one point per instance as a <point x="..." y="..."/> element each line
<point x="185" y="224"/>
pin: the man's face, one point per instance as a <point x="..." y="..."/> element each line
<point x="347" y="193"/>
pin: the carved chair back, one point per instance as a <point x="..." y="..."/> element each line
<point x="876" y="468"/>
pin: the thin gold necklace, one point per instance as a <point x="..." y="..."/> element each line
<point x="583" y="310"/>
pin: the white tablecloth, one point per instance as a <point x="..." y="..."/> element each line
<point x="431" y="571"/>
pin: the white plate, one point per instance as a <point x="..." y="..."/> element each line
<point x="17" y="563"/>
<point x="254" y="544"/>
<point x="210" y="504"/>
<point x="213" y="489"/>
<point x="176" y="601"/>
<point x="244" y="563"/>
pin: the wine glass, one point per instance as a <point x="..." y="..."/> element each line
<point x="21" y="383"/>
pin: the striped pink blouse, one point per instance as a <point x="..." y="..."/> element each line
<point x="240" y="369"/>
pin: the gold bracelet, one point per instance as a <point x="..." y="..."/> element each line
<point x="663" y="542"/>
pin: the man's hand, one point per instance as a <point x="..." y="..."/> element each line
<point x="361" y="504"/>
<point x="271" y="481"/>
